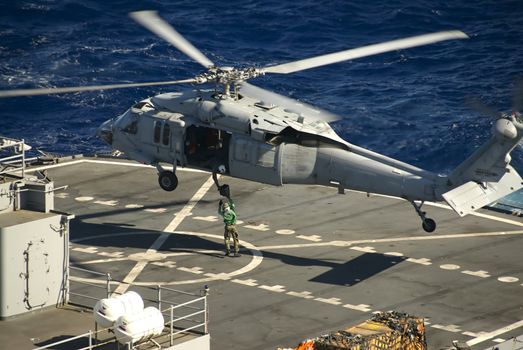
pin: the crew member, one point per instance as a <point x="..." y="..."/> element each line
<point x="227" y="211"/>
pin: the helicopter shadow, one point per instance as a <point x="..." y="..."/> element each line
<point x="347" y="273"/>
<point x="342" y="273"/>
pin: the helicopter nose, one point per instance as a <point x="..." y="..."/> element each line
<point x="105" y="131"/>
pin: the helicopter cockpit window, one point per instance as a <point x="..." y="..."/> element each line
<point x="131" y="128"/>
<point x="157" y="131"/>
<point x="166" y="134"/>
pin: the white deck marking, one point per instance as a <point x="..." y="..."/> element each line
<point x="495" y="333"/>
<point x="84" y="199"/>
<point x="392" y="240"/>
<point x="313" y="238"/>
<point x="498" y="340"/>
<point x="134" y="206"/>
<point x="449" y="267"/>
<point x="136" y="165"/>
<point x="182" y="214"/>
<point x="276" y="288"/>
<point x="248" y="282"/>
<point x="218" y="276"/>
<point x="62" y="195"/>
<point x="304" y="295"/>
<point x="260" y="227"/>
<point x="88" y="250"/>
<point x="111" y="203"/>
<point x="285" y="232"/>
<point x="364" y="249"/>
<point x="393" y="253"/>
<point x="206" y="218"/>
<point x="332" y="301"/>
<point x="102" y="261"/>
<point x="422" y="261"/>
<point x="480" y="273"/>
<point x="168" y="264"/>
<point x="129" y="164"/>
<point x="156" y="210"/>
<point x="508" y="279"/>
<point x="196" y="270"/>
<point x="450" y="328"/>
<point x="474" y="335"/>
<point x="59" y="165"/>
<point x="495" y="218"/>
<point x="359" y="307"/>
<point x="112" y="254"/>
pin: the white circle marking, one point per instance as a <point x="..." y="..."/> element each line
<point x="83" y="199"/>
<point x="508" y="279"/>
<point x="256" y="259"/>
<point x="285" y="232"/>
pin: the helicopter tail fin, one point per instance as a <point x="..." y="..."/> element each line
<point x="472" y="195"/>
<point x="486" y="175"/>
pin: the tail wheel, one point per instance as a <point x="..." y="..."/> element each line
<point x="168" y="181"/>
<point x="429" y="225"/>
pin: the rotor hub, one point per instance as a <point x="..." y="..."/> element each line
<point x="228" y="75"/>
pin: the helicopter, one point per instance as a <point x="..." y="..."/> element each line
<point x="244" y="131"/>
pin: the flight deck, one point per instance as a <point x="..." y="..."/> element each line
<point x="313" y="260"/>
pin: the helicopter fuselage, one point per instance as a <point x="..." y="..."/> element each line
<point x="246" y="138"/>
<point x="258" y="142"/>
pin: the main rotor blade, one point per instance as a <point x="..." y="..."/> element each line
<point x="482" y="107"/>
<point x="364" y="51"/>
<point x="517" y="95"/>
<point x="272" y="98"/>
<point x="151" y="21"/>
<point x="49" y="91"/>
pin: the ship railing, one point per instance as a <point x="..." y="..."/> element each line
<point x="14" y="159"/>
<point x="185" y="313"/>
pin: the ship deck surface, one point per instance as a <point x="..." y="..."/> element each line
<point x="313" y="260"/>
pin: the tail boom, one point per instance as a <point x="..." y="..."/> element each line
<point x="486" y="175"/>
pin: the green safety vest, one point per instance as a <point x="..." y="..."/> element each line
<point x="229" y="215"/>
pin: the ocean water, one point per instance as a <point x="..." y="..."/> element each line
<point x="407" y="104"/>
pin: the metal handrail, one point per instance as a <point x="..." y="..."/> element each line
<point x="90" y="334"/>
<point x="179" y="291"/>
<point x="88" y="271"/>
<point x="84" y="296"/>
<point x="187" y="316"/>
<point x="170" y="324"/>
<point x="177" y="305"/>
<point x="189" y="329"/>
<point x="16" y="145"/>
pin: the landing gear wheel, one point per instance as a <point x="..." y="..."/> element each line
<point x="168" y="181"/>
<point x="429" y="225"/>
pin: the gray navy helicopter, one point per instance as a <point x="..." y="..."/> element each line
<point x="247" y="132"/>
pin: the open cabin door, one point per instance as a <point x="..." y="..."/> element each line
<point x="206" y="148"/>
<point x="254" y="160"/>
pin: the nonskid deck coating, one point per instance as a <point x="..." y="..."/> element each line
<point x="312" y="260"/>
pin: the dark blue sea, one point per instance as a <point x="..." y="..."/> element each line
<point x="407" y="104"/>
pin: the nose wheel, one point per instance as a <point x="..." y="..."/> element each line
<point x="428" y="224"/>
<point x="168" y="180"/>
